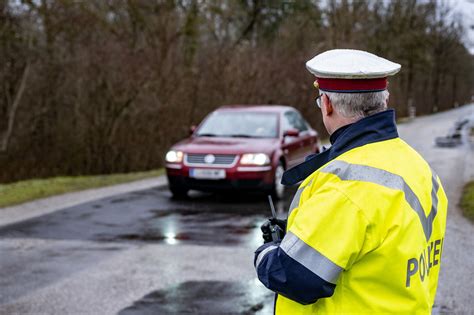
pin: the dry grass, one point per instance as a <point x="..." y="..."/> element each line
<point x="467" y="201"/>
<point x="19" y="192"/>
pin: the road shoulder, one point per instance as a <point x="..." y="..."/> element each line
<point x="47" y="205"/>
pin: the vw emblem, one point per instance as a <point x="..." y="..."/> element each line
<point x="209" y="159"/>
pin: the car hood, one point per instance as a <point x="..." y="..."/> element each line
<point x="227" y="145"/>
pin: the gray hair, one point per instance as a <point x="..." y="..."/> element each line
<point x="358" y="105"/>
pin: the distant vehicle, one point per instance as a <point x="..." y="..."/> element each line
<point x="454" y="137"/>
<point x="241" y="147"/>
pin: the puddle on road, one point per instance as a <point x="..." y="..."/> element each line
<point x="206" y="297"/>
<point x="152" y="216"/>
<point x="197" y="227"/>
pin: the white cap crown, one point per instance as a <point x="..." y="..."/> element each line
<point x="351" y="64"/>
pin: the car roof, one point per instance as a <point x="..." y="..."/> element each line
<point x="256" y="108"/>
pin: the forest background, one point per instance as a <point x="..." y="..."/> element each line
<point x="106" y="86"/>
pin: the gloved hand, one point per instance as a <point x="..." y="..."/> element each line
<point x="273" y="230"/>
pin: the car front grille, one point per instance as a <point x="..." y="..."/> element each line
<point x="219" y="159"/>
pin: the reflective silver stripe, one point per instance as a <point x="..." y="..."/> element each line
<point x="263" y="253"/>
<point x="434" y="201"/>
<point x="296" y="199"/>
<point x="310" y="258"/>
<point x="364" y="173"/>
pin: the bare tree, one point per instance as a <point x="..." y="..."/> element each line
<point x="107" y="86"/>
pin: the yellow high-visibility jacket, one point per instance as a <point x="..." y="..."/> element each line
<point x="364" y="235"/>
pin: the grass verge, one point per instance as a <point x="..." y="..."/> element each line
<point x="27" y="190"/>
<point x="467" y="201"/>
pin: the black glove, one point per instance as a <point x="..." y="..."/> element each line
<point x="273" y="230"/>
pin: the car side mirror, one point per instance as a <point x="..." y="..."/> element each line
<point x="192" y="129"/>
<point x="291" y="133"/>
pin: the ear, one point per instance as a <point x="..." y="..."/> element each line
<point x="328" y="108"/>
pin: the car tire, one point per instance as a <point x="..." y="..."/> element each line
<point x="278" y="189"/>
<point x="179" y="192"/>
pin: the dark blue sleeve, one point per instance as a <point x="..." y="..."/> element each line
<point x="284" y="275"/>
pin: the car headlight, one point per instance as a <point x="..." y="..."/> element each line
<point x="174" y="156"/>
<point x="255" y="159"/>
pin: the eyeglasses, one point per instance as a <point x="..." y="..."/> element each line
<point x="318" y="100"/>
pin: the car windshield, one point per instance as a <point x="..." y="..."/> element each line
<point x="240" y="125"/>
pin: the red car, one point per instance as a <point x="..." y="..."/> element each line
<point x="241" y="147"/>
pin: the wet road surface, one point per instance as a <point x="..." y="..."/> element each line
<point x="152" y="216"/>
<point x="206" y="297"/>
<point x="41" y="252"/>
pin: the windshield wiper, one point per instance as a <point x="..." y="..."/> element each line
<point x="231" y="136"/>
<point x="241" y="136"/>
<point x="207" y="135"/>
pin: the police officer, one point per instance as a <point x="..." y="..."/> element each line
<point x="365" y="229"/>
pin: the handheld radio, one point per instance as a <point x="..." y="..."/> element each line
<point x="276" y="232"/>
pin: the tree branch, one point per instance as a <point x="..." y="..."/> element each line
<point x="13" y="109"/>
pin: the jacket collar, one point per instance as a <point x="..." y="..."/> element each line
<point x="337" y="133"/>
<point x="374" y="128"/>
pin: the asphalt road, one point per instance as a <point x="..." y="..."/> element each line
<point x="455" y="166"/>
<point x="138" y="253"/>
<point x="145" y="253"/>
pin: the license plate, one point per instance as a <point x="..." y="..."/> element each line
<point x="206" y="173"/>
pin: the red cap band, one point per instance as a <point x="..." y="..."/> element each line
<point x="352" y="85"/>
